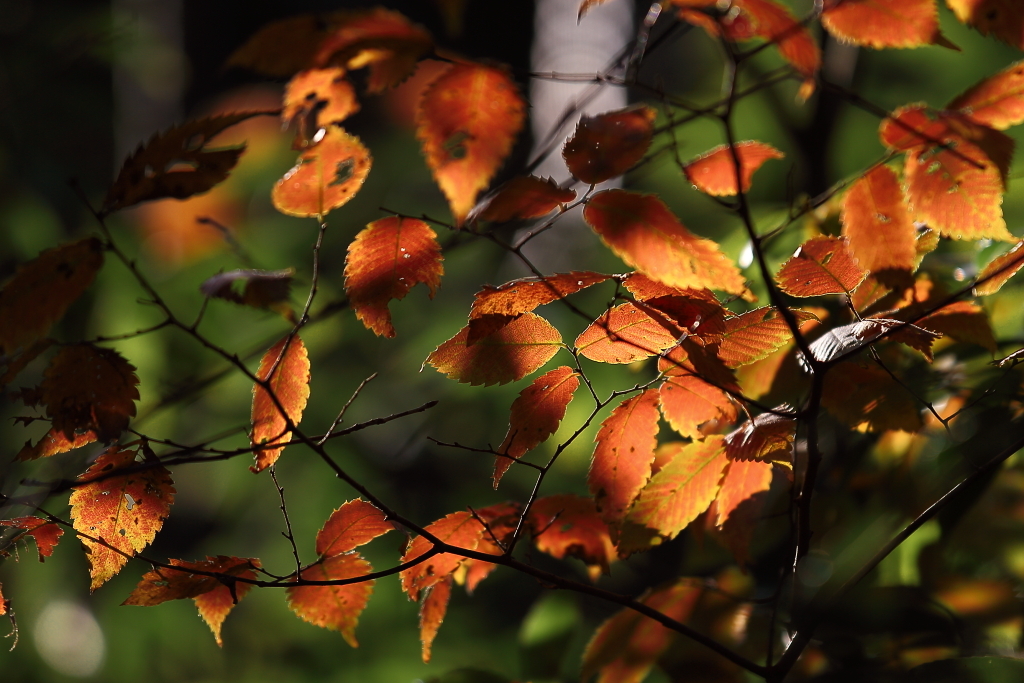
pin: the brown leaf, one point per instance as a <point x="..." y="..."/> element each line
<point x="44" y="532"/>
<point x="289" y="362"/>
<point x="53" y="443"/>
<point x="268" y="289"/>
<point x="1004" y="19"/>
<point x="609" y="144"/>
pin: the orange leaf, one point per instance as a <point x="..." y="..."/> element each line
<point x="42" y="290"/>
<point x="1004" y="19"/>
<point x="714" y="172"/>
<point x="45" y="533"/>
<point x="569" y="525"/>
<point x="876" y="223"/>
<point x="501" y="520"/>
<point x="865" y="396"/>
<point x="123" y="510"/>
<point x="883" y="23"/>
<point x="963" y="321"/>
<point x="54" y="442"/>
<point x="87" y="388"/>
<point x="625" y="334"/>
<point x="767" y="438"/>
<point x="644" y="233"/>
<point x="910" y="127"/>
<point x="506" y="355"/>
<point x="996" y="102"/>
<point x="743" y="479"/>
<point x="467" y="121"/>
<point x="683" y="488"/>
<point x="622" y="458"/>
<point x="321" y="97"/>
<point x="822" y="265"/>
<point x="625" y="647"/>
<point x="386" y="260"/>
<point x="214" y="598"/>
<point x="687" y="398"/>
<point x="459" y="529"/>
<point x="535" y="416"/>
<point x="327" y="175"/>
<point x="999" y="270"/>
<point x="350" y="526"/>
<point x="290" y="384"/>
<point x="609" y="144"/>
<point x="338" y="607"/>
<point x="432" y="610"/>
<point x="769" y="20"/>
<point x="522" y="198"/>
<point x="754" y="335"/>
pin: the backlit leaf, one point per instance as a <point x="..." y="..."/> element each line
<point x="55" y="442"/>
<point x="535" y="416"/>
<point x="385" y="261"/>
<point x="682" y="489"/>
<point x="350" y="526"/>
<point x="501" y="521"/>
<point x="522" y="198"/>
<point x="822" y="265"/>
<point x="999" y="270"/>
<point x="124" y="511"/>
<point x="876" y="223"/>
<point x="714" y="172"/>
<point x="569" y="525"/>
<point x="910" y="127"/>
<point x="290" y="384"/>
<point x="754" y="335"/>
<point x="327" y="175"/>
<point x="336" y="608"/>
<point x="743" y="479"/>
<point x="625" y="334"/>
<point x="883" y="23"/>
<point x="644" y="233"/>
<point x="317" y="98"/>
<point x="622" y="459"/>
<point x="88" y="388"/>
<point x="964" y="321"/>
<point x="45" y="533"/>
<point x="609" y="144"/>
<point x="1004" y="19"/>
<point x="459" y="529"/>
<point x="214" y="598"/>
<point x="506" y="355"/>
<point x="467" y="120"/>
<point x="42" y="290"/>
<point x="432" y="610"/>
<point x="687" y="398"/>
<point x="997" y="102"/>
<point x="865" y="396"/>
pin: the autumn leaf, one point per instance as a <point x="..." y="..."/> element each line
<point x="1004" y="19"/>
<point x="283" y="48"/>
<point x="433" y="607"/>
<point x="609" y="144"/>
<point x="880" y="24"/>
<point x="686" y="398"/>
<point x="743" y="479"/>
<point x="501" y="521"/>
<point x="536" y="413"/>
<point x="644" y="233"/>
<point x="1000" y="269"/>
<point x="123" y="512"/>
<point x="336" y="608"/>
<point x="506" y="355"/>
<point x="865" y="396"/>
<point x="822" y="265"/>
<point x="350" y="526"/>
<point x="626" y="647"/>
<point x="42" y="290"/>
<point x="964" y="321"/>
<point x="177" y="163"/>
<point x="53" y="443"/>
<point x="88" y="388"/>
<point x="459" y="529"/>
<point x="214" y="598"/>
<point x="622" y="459"/>
<point x="268" y="289"/>
<point x="625" y="334"/>
<point x="385" y="261"/>
<point x="714" y="172"/>
<point x="467" y="121"/>
<point x="289" y="363"/>
<point x="521" y="198"/>
<point x="682" y="489"/>
<point x="754" y="335"/>
<point x="44" y="532"/>
<point x="327" y="175"/>
<point x="569" y="525"/>
<point x="316" y="98"/>
<point x="879" y="232"/>
<point x="766" y="438"/>
<point x="997" y="101"/>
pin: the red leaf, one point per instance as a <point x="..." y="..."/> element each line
<point x="508" y="354"/>
<point x="45" y="533"/>
<point x="622" y="459"/>
<point x="467" y="121"/>
<point x="996" y="102"/>
<point x="714" y="172"/>
<point x="754" y="335"/>
<point x="877" y="225"/>
<point x="320" y="97"/>
<point x="682" y="489"/>
<point x="327" y="175"/>
<point x="884" y="23"/>
<point x="522" y="198"/>
<point x="290" y="384"/>
<point x="1004" y="19"/>
<point x="569" y="525"/>
<point x="608" y="145"/>
<point x="501" y="521"/>
<point x="865" y="396"/>
<point x="459" y="529"/>
<point x="687" y="398"/>
<point x="536" y="414"/>
<point x="999" y="270"/>
<point x="822" y="265"/>
<point x="642" y="231"/>
<point x="910" y="127"/>
<point x="432" y="610"/>
<point x="54" y="442"/>
<point x="350" y="526"/>
<point x="386" y="260"/>
<point x="625" y="334"/>
<point x="125" y="511"/>
<point x="336" y="608"/>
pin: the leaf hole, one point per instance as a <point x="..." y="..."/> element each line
<point x="343" y="171"/>
<point x="455" y="145"/>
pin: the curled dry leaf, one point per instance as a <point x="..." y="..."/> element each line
<point x="385" y="261"/>
<point x="607" y="145"/>
<point x="268" y="289"/>
<point x="846" y="339"/>
<point x="877" y="225"/>
<point x="508" y="354"/>
<point x="119" y="514"/>
<point x="880" y="24"/>
<point x="327" y="175"/>
<point x="535" y="415"/>
<point x="42" y="290"/>
<point x="993" y="276"/>
<point x="350" y="526"/>
<point x="766" y="438"/>
<point x="569" y="525"/>
<point x="997" y="101"/>
<point x="1004" y="19"/>
<point x="44" y="532"/>
<point x="822" y="265"/>
<point x="626" y="334"/>
<point x="316" y="98"/>
<point x="467" y="120"/>
<point x="714" y="172"/>
<point x="214" y="597"/>
<point x="337" y="607"/>
<point x="289" y="363"/>
<point x="521" y="198"/>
